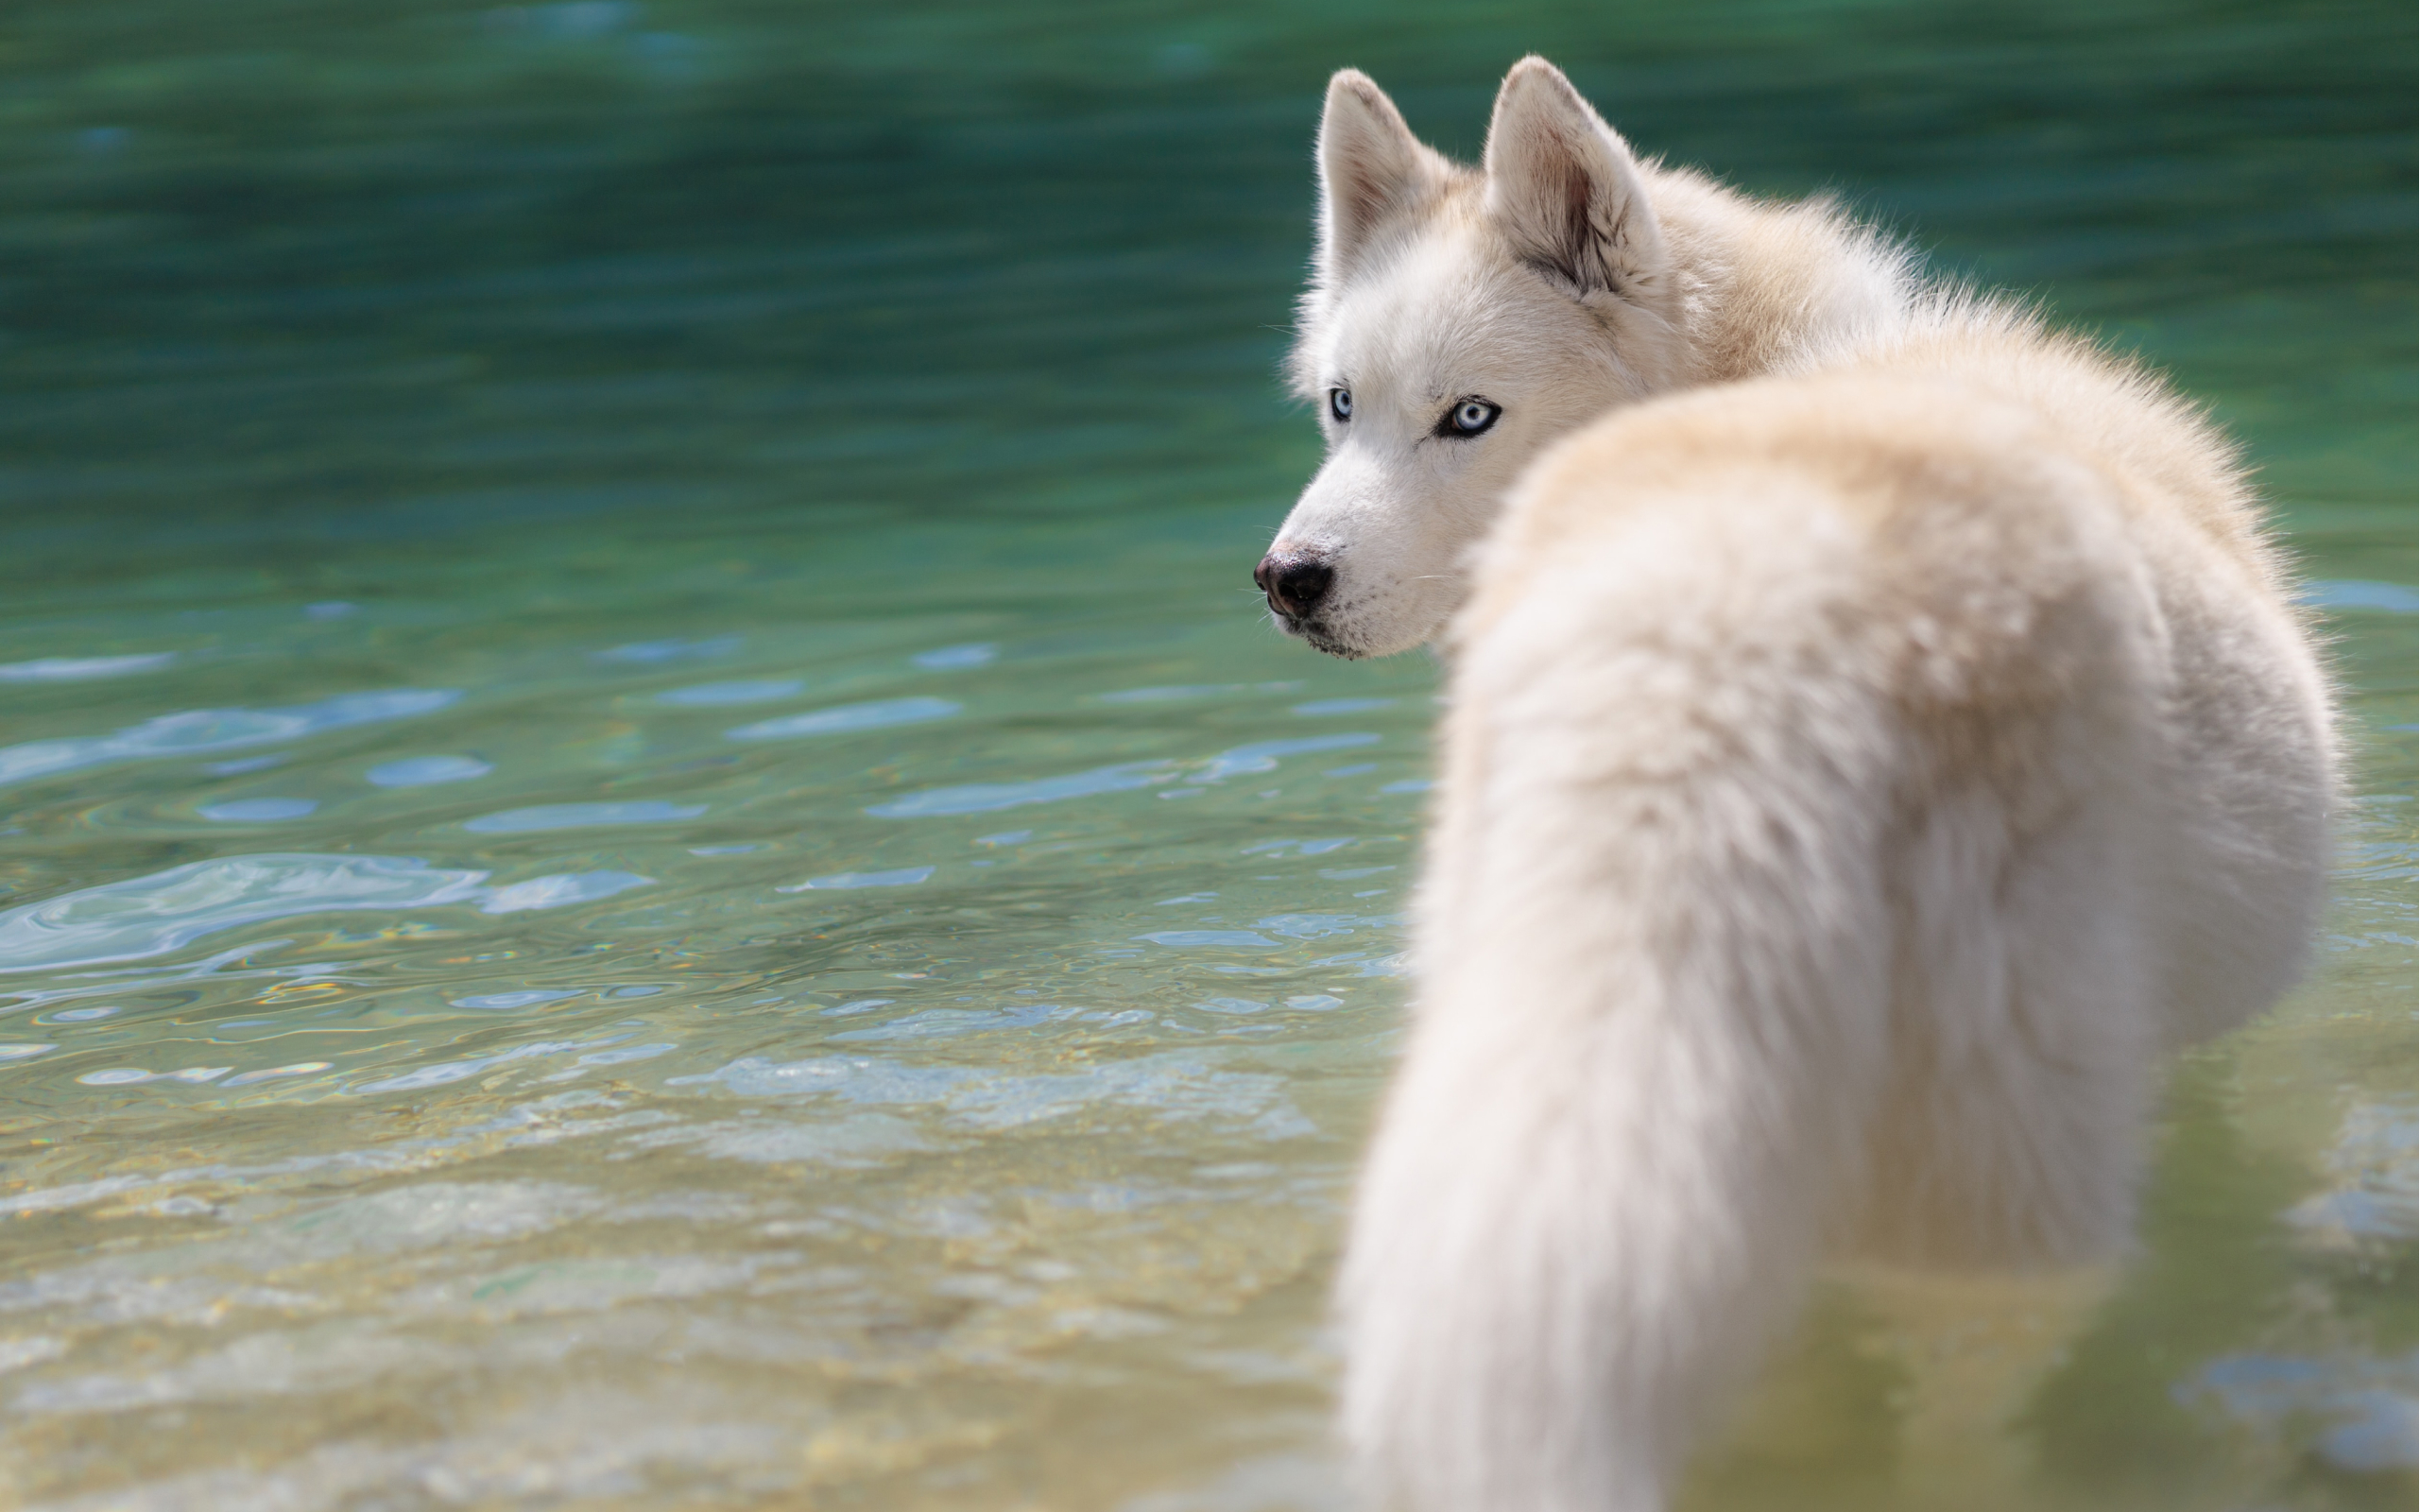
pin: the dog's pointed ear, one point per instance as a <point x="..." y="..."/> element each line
<point x="1371" y="169"/>
<point x="1566" y="190"/>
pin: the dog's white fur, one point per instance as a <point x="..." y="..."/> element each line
<point x="1433" y="282"/>
<point x="1863" y="763"/>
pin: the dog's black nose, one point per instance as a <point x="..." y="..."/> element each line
<point x="1295" y="584"/>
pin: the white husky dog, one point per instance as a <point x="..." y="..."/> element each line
<point x="1878" y="729"/>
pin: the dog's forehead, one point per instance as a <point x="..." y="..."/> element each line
<point x="1450" y="313"/>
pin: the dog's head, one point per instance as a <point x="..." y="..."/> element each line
<point x="1457" y="321"/>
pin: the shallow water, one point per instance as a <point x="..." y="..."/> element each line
<point x="654" y="858"/>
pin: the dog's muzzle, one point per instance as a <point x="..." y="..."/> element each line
<point x="1296" y="585"/>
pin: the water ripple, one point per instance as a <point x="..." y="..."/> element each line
<point x="581" y="815"/>
<point x="142" y="917"/>
<point x="984" y="798"/>
<point x="1172" y="1086"/>
<point x="847" y="718"/>
<point x="719" y="694"/>
<point x="207" y="729"/>
<point x="903" y="877"/>
<point x="427" y="771"/>
<point x="654" y="653"/>
<point x="560" y="890"/>
<point x="953" y="657"/>
<point x="80" y="668"/>
<point x="2386" y="599"/>
<point x="1262" y="756"/>
<point x="259" y="810"/>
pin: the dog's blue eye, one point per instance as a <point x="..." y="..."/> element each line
<point x="1340" y="403"/>
<point x="1471" y="417"/>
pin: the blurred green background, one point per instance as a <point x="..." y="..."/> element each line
<point x="339" y="271"/>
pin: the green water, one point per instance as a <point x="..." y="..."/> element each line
<point x="497" y="1038"/>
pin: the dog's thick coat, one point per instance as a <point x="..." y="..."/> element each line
<point x="1871" y="744"/>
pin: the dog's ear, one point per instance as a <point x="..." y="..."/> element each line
<point x="1566" y="190"/>
<point x="1371" y="169"/>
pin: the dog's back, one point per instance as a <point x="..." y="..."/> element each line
<point x="1852" y="781"/>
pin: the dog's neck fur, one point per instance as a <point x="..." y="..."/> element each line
<point x="1758" y="288"/>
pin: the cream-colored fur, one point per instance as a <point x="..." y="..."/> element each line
<point x="1862" y="761"/>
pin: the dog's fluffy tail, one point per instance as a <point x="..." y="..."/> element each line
<point x="1663" y="932"/>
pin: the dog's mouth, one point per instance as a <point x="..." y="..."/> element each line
<point x="1317" y="634"/>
